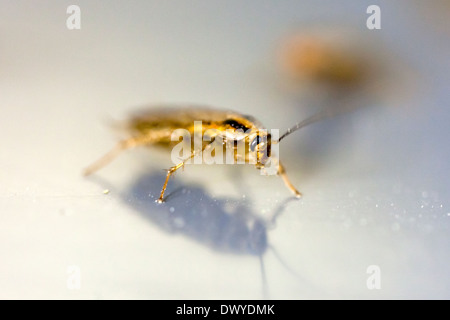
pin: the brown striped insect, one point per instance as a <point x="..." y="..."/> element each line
<point x="155" y="127"/>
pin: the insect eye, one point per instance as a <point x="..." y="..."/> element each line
<point x="254" y="143"/>
<point x="235" y="124"/>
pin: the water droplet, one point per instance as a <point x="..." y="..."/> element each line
<point x="172" y="209"/>
<point x="347" y="223"/>
<point x="178" y="222"/>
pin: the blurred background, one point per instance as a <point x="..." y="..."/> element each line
<point x="374" y="219"/>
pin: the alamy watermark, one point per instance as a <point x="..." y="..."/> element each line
<point x="73" y="21"/>
<point x="374" y="20"/>
<point x="374" y="280"/>
<point x="231" y="146"/>
<point x="73" y="281"/>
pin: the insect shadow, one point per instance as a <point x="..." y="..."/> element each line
<point x="225" y="225"/>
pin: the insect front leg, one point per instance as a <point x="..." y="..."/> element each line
<point x="282" y="173"/>
<point x="178" y="166"/>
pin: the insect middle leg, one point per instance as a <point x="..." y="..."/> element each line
<point x="287" y="182"/>
<point x="178" y="166"/>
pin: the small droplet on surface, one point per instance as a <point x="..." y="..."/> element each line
<point x="178" y="222"/>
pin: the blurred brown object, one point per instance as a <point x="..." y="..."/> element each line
<point x="312" y="58"/>
<point x="335" y="65"/>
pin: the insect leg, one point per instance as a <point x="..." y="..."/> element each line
<point x="178" y="166"/>
<point x="282" y="173"/>
<point x="121" y="146"/>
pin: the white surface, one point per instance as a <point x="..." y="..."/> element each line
<point x="375" y="182"/>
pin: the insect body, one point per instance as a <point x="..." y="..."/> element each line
<point x="155" y="127"/>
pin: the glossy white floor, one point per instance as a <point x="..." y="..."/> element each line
<point x="375" y="182"/>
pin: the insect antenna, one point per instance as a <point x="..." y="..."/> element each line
<point x="324" y="114"/>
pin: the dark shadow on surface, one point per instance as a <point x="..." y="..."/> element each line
<point x="223" y="224"/>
